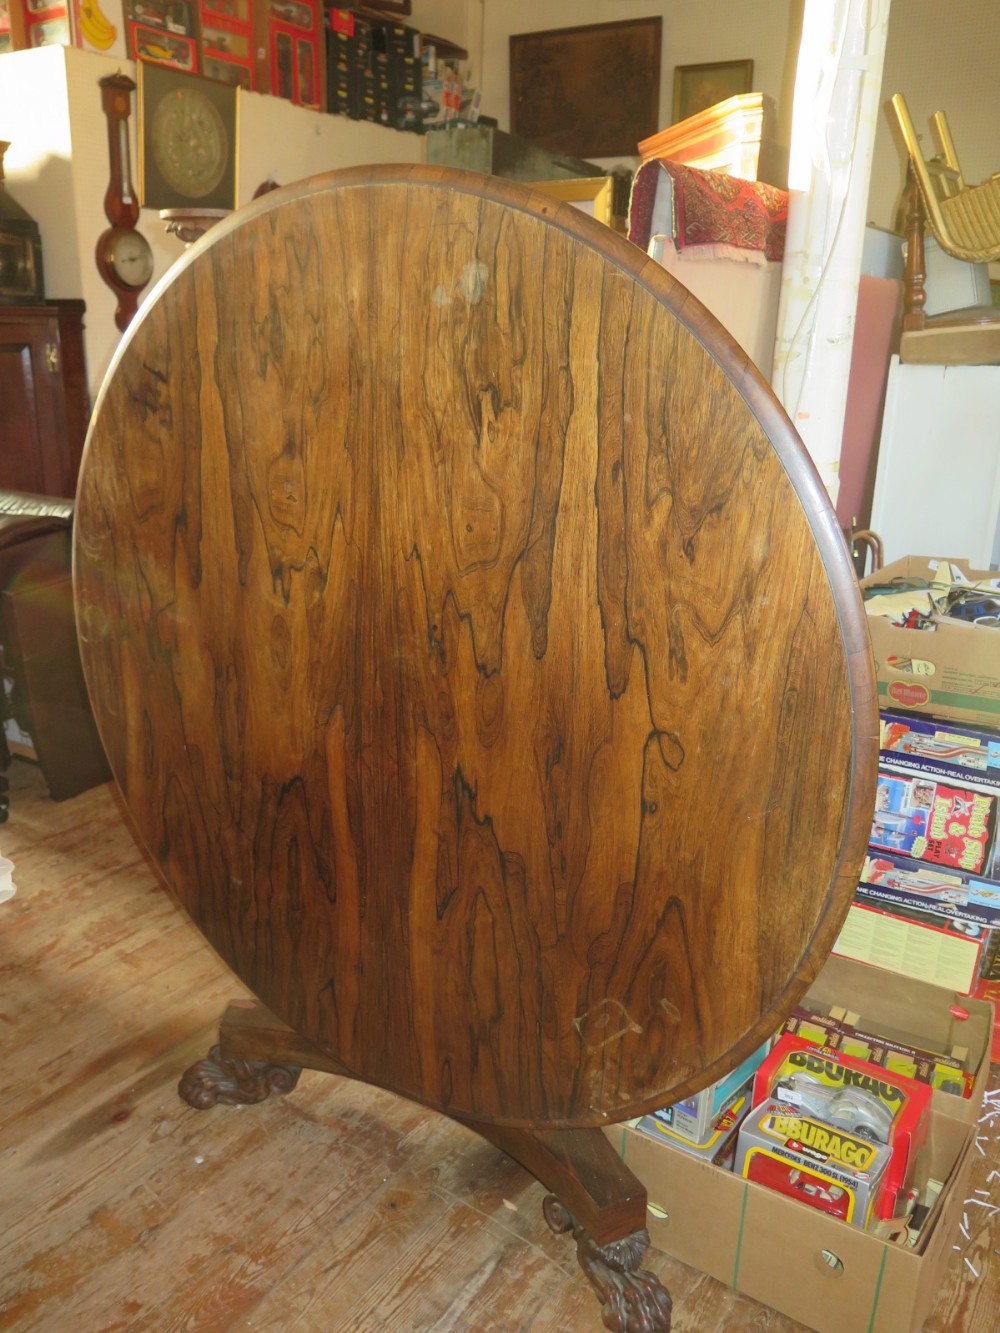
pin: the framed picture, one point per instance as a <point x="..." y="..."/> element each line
<point x="697" y="87"/>
<point x="187" y="139"/>
<point x="98" y="27"/>
<point x="592" y="91"/>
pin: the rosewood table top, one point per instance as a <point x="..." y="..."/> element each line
<point x="474" y="646"/>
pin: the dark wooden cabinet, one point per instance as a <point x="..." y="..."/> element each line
<point x="44" y="403"/>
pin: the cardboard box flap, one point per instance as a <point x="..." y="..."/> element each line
<point x="924" y="1012"/>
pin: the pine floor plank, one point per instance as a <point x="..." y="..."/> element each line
<point x="340" y="1207"/>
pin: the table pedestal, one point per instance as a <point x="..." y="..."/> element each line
<point x="594" y="1194"/>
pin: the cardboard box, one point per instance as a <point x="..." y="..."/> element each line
<point x="810" y="1266"/>
<point x="952" y="672"/>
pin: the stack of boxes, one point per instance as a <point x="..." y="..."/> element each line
<point x="929" y="895"/>
<point x="852" y="1143"/>
<point x="929" y="898"/>
<point x="387" y="73"/>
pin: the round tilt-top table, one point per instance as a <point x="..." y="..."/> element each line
<point x="478" y="656"/>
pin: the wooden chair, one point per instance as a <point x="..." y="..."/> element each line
<point x="48" y="698"/>
<point x="965" y="221"/>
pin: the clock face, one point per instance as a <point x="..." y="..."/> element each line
<point x="131" y="258"/>
<point x="189" y="142"/>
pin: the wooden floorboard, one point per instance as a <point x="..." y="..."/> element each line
<point x="339" y="1207"/>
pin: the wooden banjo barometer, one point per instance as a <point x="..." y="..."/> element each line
<point x="478" y="656"/>
<point x="124" y="257"/>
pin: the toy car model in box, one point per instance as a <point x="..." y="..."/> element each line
<point x="855" y="1096"/>
<point x="820" y="1164"/>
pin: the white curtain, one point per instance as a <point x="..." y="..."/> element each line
<point x="837" y="85"/>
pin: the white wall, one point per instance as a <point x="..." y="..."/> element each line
<point x="57" y="168"/>
<point x="939" y="56"/>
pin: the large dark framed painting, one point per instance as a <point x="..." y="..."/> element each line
<point x="592" y="91"/>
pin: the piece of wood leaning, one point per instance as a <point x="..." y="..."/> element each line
<point x="481" y="662"/>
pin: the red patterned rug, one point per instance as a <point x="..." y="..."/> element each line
<point x="710" y="209"/>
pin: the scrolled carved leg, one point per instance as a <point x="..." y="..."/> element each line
<point x="632" y="1300"/>
<point x="234" y="1082"/>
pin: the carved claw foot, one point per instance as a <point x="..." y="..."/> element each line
<point x="234" y="1082"/>
<point x="632" y="1300"/>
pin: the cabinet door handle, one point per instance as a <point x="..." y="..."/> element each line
<point x="52" y="357"/>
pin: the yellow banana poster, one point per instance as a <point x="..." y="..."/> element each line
<point x="98" y="25"/>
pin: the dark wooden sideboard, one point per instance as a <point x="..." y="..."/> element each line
<point x="44" y="403"/>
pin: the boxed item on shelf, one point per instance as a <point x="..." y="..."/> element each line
<point x="896" y="942"/>
<point x="815" y="1162"/>
<point x="938" y="820"/>
<point x="948" y="743"/>
<point x="810" y="1266"/>
<point x="891" y="880"/>
<point x="951" y="671"/>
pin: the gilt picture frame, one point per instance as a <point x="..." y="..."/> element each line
<point x="593" y="195"/>
<point x="697" y="87"/>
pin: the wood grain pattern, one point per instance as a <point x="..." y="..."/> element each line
<point x="341" y="1209"/>
<point x="474" y="646"/>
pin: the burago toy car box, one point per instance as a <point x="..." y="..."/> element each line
<point x="948" y="743"/>
<point x="847" y="1032"/>
<point x="920" y="816"/>
<point x="855" y="1096"/>
<point x="719" y="1144"/>
<point x="817" y="1163"/>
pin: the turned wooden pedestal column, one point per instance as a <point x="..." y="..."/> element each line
<point x="481" y="662"/>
